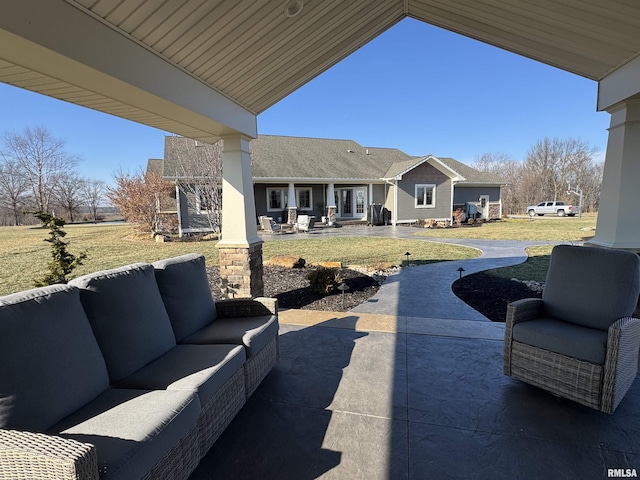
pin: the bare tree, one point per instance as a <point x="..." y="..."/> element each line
<point x="197" y="170"/>
<point x="68" y="194"/>
<point x="42" y="159"/>
<point x="138" y="199"/>
<point x="93" y="195"/>
<point x="503" y="165"/>
<point x="552" y="163"/>
<point x="13" y="190"/>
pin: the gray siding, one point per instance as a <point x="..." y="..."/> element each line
<point x="424" y="174"/>
<point x="378" y="193"/>
<point x="464" y="194"/>
<point x="190" y="218"/>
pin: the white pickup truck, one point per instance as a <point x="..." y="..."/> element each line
<point x="552" y="208"/>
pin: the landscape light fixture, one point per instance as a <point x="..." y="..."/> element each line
<point x="460" y="270"/>
<point x="343" y="287"/>
<point x="407" y="254"/>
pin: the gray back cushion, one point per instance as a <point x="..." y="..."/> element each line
<point x="128" y="317"/>
<point x="186" y="293"/>
<point x="591" y="286"/>
<point x="50" y="362"/>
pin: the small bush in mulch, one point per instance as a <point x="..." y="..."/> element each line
<point x="324" y="280"/>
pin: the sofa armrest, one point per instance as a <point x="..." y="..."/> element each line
<point x="36" y="455"/>
<point x="621" y="363"/>
<point x="518" y="311"/>
<point x="245" y="307"/>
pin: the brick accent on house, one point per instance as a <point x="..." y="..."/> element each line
<point x="241" y="271"/>
<point x="331" y="215"/>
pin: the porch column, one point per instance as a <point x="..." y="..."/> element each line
<point x="292" y="208"/>
<point x="240" y="249"/>
<point x="617" y="225"/>
<point x="331" y="204"/>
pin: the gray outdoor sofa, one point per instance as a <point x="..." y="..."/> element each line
<point x="127" y="373"/>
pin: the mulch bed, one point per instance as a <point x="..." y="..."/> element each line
<point x="486" y="293"/>
<point x="490" y="295"/>
<point x="291" y="287"/>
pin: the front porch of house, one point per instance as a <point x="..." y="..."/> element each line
<point x="386" y="397"/>
<point x="347" y="202"/>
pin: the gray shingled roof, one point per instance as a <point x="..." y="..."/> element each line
<point x="471" y="175"/>
<point x="301" y="158"/>
<point x="319" y="158"/>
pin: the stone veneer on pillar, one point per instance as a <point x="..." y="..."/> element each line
<point x="241" y="271"/>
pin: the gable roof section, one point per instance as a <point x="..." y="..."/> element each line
<point x="301" y="158"/>
<point x="470" y="175"/>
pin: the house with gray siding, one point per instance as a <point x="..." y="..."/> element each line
<point x="341" y="178"/>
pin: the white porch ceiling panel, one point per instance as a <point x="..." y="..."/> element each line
<point x="254" y="55"/>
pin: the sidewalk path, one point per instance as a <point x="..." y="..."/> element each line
<point x="425" y="291"/>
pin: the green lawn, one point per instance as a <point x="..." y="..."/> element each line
<point x="535" y="268"/>
<point x="567" y="229"/>
<point x="25" y="253"/>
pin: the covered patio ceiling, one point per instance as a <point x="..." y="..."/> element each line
<point x="206" y="68"/>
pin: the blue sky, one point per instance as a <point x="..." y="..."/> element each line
<point x="416" y="87"/>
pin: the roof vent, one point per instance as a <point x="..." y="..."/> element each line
<point x="293" y="7"/>
<point x="349" y="150"/>
<point x="367" y="151"/>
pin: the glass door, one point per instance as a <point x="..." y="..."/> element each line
<point x="347" y="202"/>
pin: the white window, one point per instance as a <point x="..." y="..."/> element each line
<point x="277" y="199"/>
<point x="425" y="196"/>
<point x="305" y="200"/>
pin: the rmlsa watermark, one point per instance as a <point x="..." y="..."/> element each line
<point x="622" y="473"/>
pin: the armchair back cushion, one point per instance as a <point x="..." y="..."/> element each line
<point x="50" y="362"/>
<point x="128" y="317"/>
<point x="186" y="293"/>
<point x="574" y="291"/>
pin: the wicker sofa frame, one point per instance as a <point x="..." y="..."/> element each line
<point x="31" y="455"/>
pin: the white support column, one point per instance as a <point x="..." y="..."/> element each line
<point x="240" y="248"/>
<point x="620" y="196"/>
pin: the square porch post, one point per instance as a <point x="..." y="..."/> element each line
<point x="240" y="249"/>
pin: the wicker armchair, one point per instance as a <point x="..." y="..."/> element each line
<point x="579" y="341"/>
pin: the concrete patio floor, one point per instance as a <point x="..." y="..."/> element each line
<point x="365" y="396"/>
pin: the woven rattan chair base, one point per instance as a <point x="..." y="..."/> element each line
<point x="567" y="377"/>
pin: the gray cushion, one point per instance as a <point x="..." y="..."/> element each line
<point x="252" y="332"/>
<point x="584" y="343"/>
<point x="199" y="368"/>
<point x="131" y="429"/>
<point x="185" y="290"/>
<point x="50" y="363"/>
<point x="591" y="286"/>
<point x="128" y="317"/>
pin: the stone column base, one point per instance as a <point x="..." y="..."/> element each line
<point x="292" y="216"/>
<point x="241" y="271"/>
<point x="331" y="215"/>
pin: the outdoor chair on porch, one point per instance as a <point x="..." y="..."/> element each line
<point x="269" y="225"/>
<point x="579" y="341"/>
<point x="305" y="223"/>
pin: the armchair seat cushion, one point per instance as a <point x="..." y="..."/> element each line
<point x="198" y="368"/>
<point x="252" y="332"/>
<point x="583" y="343"/>
<point x="132" y="430"/>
